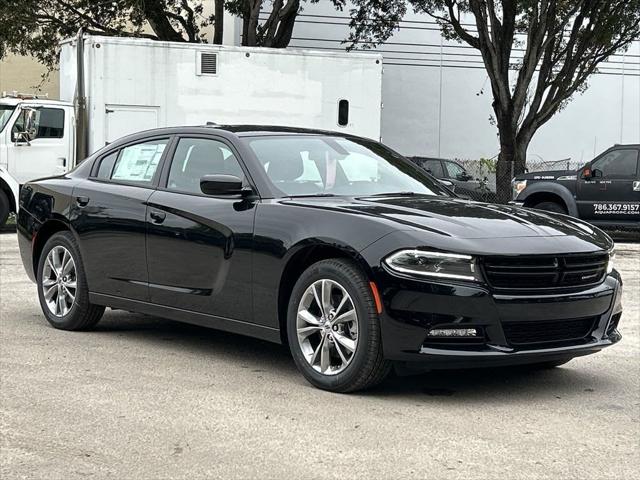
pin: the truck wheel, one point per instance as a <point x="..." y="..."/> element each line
<point x="62" y="285"/>
<point x="333" y="328"/>
<point x="551" y="207"/>
<point x="4" y="208"/>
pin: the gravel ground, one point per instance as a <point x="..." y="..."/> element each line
<point x="146" y="398"/>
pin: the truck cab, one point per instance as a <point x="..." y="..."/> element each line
<point x="36" y="140"/>
<point x="605" y="192"/>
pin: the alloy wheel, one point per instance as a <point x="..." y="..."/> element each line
<point x="327" y="327"/>
<point x="59" y="281"/>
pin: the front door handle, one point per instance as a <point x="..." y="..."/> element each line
<point x="157" y="217"/>
<point x="636" y="186"/>
<point x="82" y="201"/>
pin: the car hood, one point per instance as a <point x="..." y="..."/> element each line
<point x="461" y="218"/>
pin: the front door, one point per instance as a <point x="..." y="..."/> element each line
<point x="199" y="247"/>
<point x="48" y="153"/>
<point x="610" y="194"/>
<point x="109" y="216"/>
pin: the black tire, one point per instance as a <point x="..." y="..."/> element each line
<point x="4" y="208"/>
<point x="82" y="315"/>
<point x="367" y="366"/>
<point x="551" y="207"/>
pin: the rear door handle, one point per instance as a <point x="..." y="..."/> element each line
<point x="636" y="186"/>
<point x="82" y="201"/>
<point x="157" y="217"/>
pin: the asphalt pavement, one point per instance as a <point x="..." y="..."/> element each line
<point x="146" y="398"/>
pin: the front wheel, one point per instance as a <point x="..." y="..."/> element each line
<point x="333" y="328"/>
<point x="551" y="207"/>
<point x="4" y="208"/>
<point x="62" y="285"/>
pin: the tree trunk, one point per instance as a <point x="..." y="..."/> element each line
<point x="287" y="22"/>
<point x="218" y="22"/>
<point x="511" y="162"/>
<point x="251" y="38"/>
<point x="159" y="23"/>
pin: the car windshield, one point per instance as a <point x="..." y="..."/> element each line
<point x="5" y="114"/>
<point x="325" y="165"/>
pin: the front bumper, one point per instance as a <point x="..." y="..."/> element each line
<point x="413" y="307"/>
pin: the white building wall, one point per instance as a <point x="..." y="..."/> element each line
<point x="433" y="104"/>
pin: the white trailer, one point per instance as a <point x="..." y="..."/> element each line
<point x="110" y="87"/>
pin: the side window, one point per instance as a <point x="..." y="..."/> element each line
<point x="138" y="163"/>
<point x="434" y="167"/>
<point x="454" y="170"/>
<point x="48" y="122"/>
<point x="106" y="165"/>
<point x="196" y="157"/>
<point x="618" y="164"/>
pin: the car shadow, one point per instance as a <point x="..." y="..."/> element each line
<point x="471" y="386"/>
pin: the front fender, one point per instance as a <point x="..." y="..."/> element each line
<point x="550" y="187"/>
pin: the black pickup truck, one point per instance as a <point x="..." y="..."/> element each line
<point x="605" y="192"/>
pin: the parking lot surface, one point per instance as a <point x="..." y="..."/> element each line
<point x="146" y="398"/>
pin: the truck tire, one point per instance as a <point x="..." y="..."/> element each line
<point x="4" y="208"/>
<point x="333" y="328"/>
<point x="551" y="207"/>
<point x="62" y="285"/>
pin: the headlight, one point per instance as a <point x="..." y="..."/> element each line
<point x="517" y="187"/>
<point x="610" y="263"/>
<point x="434" y="264"/>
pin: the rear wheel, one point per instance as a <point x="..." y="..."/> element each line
<point x="333" y="328"/>
<point x="551" y="207"/>
<point x="4" y="208"/>
<point x="62" y="285"/>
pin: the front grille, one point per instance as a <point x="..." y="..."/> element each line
<point x="545" y="272"/>
<point x="548" y="331"/>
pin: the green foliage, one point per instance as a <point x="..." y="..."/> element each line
<point x="34" y="27"/>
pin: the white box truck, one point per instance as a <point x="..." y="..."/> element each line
<point x="110" y="87"/>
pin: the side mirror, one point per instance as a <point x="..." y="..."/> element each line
<point x="448" y="184"/>
<point x="221" y="185"/>
<point x="595" y="173"/>
<point x="29" y="122"/>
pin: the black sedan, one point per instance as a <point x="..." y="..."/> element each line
<point x="332" y="244"/>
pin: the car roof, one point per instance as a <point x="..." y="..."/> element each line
<point x="257" y="130"/>
<point x="228" y="131"/>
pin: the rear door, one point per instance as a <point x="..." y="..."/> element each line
<point x="109" y="215"/>
<point x="199" y="247"/>
<point x="612" y="193"/>
<point x="48" y="153"/>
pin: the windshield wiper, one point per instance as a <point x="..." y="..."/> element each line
<point x="393" y="194"/>
<point x="312" y="195"/>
